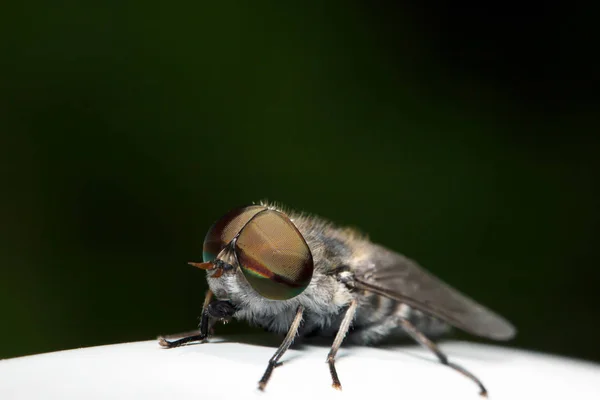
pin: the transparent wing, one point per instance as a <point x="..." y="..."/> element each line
<point x="392" y="275"/>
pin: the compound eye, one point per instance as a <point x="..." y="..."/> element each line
<point x="274" y="256"/>
<point x="225" y="229"/>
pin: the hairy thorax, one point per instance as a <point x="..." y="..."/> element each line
<point x="323" y="301"/>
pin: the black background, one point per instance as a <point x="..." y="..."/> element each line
<point x="462" y="135"/>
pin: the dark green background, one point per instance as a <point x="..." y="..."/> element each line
<point x="463" y="137"/>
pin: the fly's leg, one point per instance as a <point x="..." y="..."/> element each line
<point x="424" y="341"/>
<point x="170" y="343"/>
<point x="289" y="338"/>
<point x="339" y="337"/>
<point x="206" y="324"/>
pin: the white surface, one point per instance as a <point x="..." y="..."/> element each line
<point x="230" y="370"/>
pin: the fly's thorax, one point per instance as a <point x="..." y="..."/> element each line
<point x="322" y="300"/>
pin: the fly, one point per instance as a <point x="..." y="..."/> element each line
<point x="299" y="275"/>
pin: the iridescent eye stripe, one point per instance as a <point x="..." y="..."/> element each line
<point x="255" y="267"/>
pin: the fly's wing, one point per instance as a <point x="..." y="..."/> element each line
<point x="394" y="276"/>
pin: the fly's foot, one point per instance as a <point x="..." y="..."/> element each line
<point x="169" y="344"/>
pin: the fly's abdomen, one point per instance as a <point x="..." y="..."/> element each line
<point x="378" y="319"/>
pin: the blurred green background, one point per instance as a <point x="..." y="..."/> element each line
<point x="464" y="137"/>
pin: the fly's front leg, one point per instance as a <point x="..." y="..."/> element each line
<point x="206" y="324"/>
<point x="289" y="338"/>
<point x="339" y="338"/>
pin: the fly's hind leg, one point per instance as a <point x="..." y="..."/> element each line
<point x="424" y="341"/>
<point x="341" y="334"/>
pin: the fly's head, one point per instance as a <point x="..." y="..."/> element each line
<point x="256" y="253"/>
